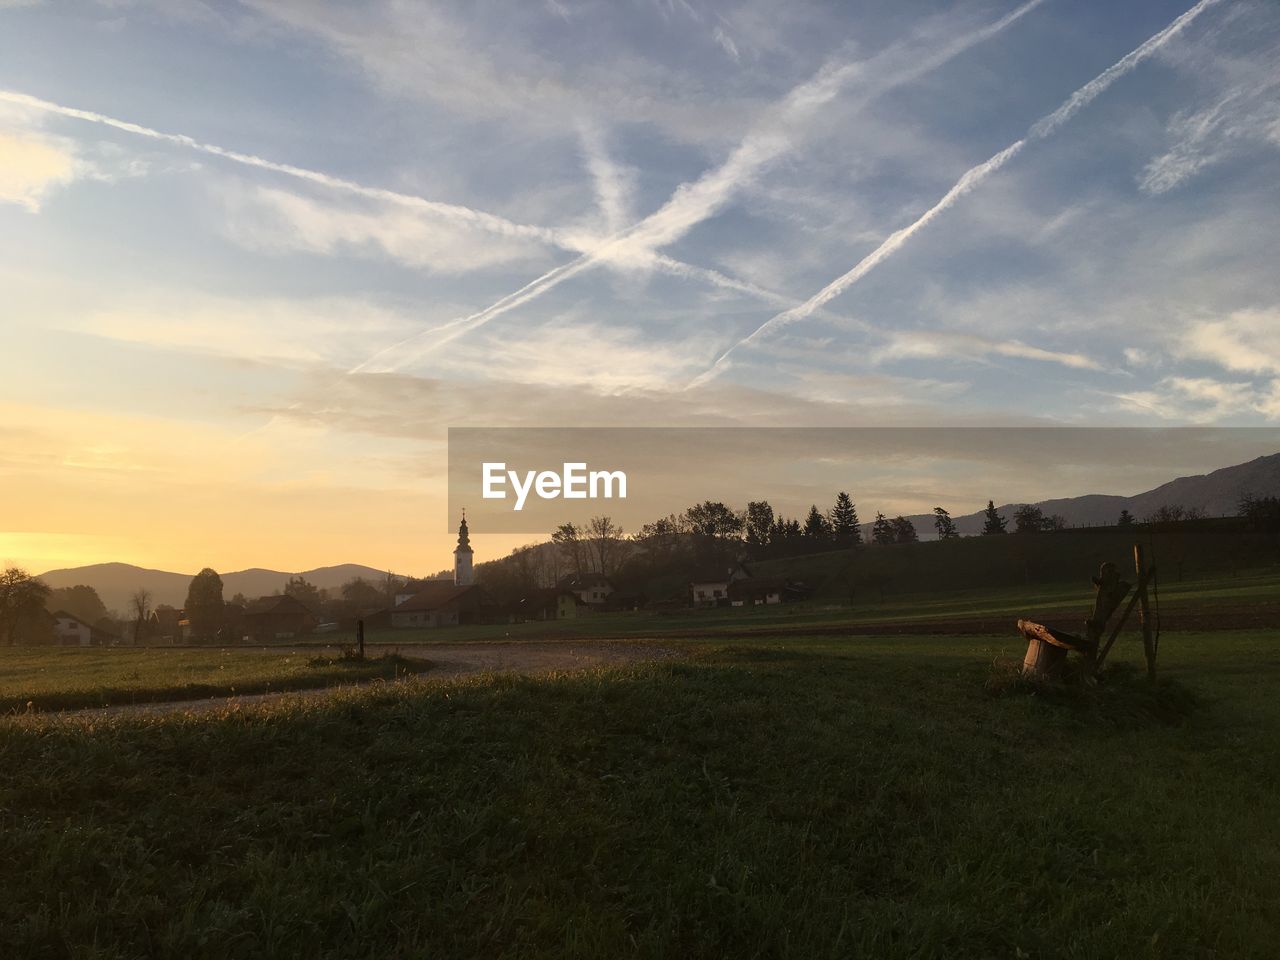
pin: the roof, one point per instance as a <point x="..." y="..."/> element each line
<point x="281" y="603"/>
<point x="433" y="595"/>
<point x="548" y="596"/>
<point x="720" y="574"/>
<point x="586" y="580"/>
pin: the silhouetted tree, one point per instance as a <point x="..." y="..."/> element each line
<point x="1261" y="512"/>
<point x="204" y="607"/>
<point x="140" y="610"/>
<point x="306" y="593"/>
<point x="816" y="529"/>
<point x="759" y="526"/>
<point x="713" y="520"/>
<point x="1028" y="519"/>
<point x="361" y="594"/>
<point x="943" y="523"/>
<point x="80" y="601"/>
<point x="1169" y="513"/>
<point x="994" y="523"/>
<point x="568" y="540"/>
<point x="882" y="530"/>
<point x="1126" y="519"/>
<point x="844" y="522"/>
<point x="904" y="531"/>
<point x="602" y="538"/>
<point x="22" y="600"/>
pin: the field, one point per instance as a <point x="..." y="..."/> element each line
<point x="1248" y="599"/>
<point x="63" y="677"/>
<point x="783" y="795"/>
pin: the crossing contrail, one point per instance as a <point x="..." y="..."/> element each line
<point x="1042" y="128"/>
<point x="697" y="200"/>
<point x="462" y="214"/>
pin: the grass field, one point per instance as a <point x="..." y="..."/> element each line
<point x="1250" y="590"/>
<point x="50" y="678"/>
<point x="788" y="797"/>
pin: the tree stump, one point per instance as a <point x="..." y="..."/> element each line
<point x="1047" y="649"/>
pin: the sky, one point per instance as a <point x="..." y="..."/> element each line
<point x="257" y="257"/>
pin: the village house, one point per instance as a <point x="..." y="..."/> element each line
<point x="276" y="618"/>
<point x="591" y="588"/>
<point x="553" y="603"/>
<point x="710" y="587"/>
<point x="759" y="591"/>
<point x="71" y="631"/>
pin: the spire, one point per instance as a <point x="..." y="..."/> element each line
<point x="464" y="538"/>
<point x="462" y="555"/>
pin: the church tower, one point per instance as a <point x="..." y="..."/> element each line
<point x="462" y="556"/>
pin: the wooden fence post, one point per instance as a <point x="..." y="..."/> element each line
<point x="1144" y="610"/>
<point x="360" y="639"/>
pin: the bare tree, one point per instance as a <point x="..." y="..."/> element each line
<point x="602" y="539"/>
<point x="140" y="604"/>
<point x="569" y="539"/>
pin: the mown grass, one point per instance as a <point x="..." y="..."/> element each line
<point x="796" y="798"/>
<point x="60" y="678"/>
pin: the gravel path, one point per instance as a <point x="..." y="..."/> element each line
<point x="448" y="660"/>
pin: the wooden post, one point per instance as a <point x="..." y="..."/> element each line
<point x="1144" y="611"/>
<point x="360" y="639"/>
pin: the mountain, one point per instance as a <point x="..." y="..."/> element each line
<point x="1216" y="494"/>
<point x="116" y="582"/>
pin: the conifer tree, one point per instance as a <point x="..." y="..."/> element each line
<point x="994" y="522"/>
<point x="844" y="521"/>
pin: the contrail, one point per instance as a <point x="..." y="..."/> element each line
<point x="467" y="215"/>
<point x="1041" y="129"/>
<point x="697" y="200"/>
<point x="451" y="211"/>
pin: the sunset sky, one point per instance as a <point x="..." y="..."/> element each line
<point x="257" y="257"/>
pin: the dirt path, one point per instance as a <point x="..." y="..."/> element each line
<point x="449" y="660"/>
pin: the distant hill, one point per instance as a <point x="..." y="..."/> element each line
<point x="116" y="582"/>
<point x="1216" y="494"/>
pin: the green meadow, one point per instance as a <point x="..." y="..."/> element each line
<point x="773" y="797"/>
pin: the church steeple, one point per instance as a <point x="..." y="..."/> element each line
<point x="462" y="555"/>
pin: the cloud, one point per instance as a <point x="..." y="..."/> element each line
<point x="32" y="166"/>
<point x="1242" y="111"/>
<point x="942" y="345"/>
<point x="725" y="42"/>
<point x="296" y="333"/>
<point x="971" y="178"/>
<point x="493" y="69"/>
<point x="1204" y="399"/>
<point x="574" y="352"/>
<point x="276" y="221"/>
<point x="1247" y="341"/>
<point x="614" y="184"/>
<point x="695" y="201"/>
